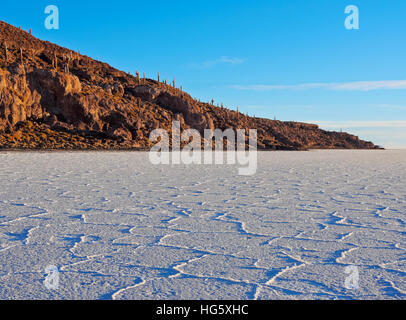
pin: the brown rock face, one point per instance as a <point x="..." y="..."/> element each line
<point x="54" y="98"/>
<point x="17" y="101"/>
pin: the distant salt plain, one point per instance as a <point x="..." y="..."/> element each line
<point x="118" y="227"/>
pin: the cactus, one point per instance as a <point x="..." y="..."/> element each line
<point x="6" y="51"/>
<point x="158" y="76"/>
<point x="56" y="62"/>
<point x="21" y="56"/>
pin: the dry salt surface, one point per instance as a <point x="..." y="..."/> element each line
<point x="118" y="227"/>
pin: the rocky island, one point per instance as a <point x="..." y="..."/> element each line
<point x="53" y="98"/>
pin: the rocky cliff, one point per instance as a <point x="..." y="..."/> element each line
<point x="54" y="98"/>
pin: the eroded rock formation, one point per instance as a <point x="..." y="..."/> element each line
<point x="54" y="98"/>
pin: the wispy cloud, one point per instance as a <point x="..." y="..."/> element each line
<point x="345" y="86"/>
<point x="221" y="60"/>
<point x="361" y="124"/>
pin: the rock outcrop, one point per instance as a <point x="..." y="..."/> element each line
<point x="54" y="98"/>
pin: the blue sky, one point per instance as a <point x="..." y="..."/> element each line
<point x="291" y="59"/>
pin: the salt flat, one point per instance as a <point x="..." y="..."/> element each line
<point x="118" y="227"/>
